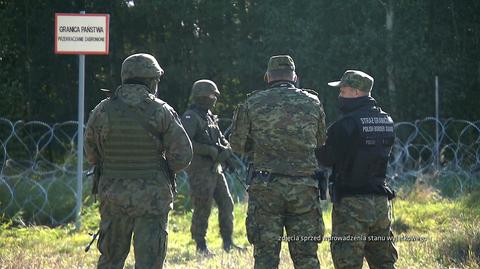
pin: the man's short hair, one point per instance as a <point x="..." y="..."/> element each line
<point x="281" y="74"/>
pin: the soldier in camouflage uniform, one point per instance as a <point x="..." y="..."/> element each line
<point x="358" y="147"/>
<point x="280" y="127"/>
<point x="138" y="141"/>
<point x="205" y="174"/>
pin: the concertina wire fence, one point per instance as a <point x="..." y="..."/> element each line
<point x="38" y="165"/>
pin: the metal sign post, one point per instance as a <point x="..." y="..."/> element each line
<point x="437" y="136"/>
<point x="81" y="116"/>
<point x="81" y="34"/>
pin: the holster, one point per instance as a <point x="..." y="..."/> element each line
<point x="250" y="174"/>
<point x="172" y="178"/>
<point x="334" y="197"/>
<point x="95" y="173"/>
<point x="322" y="183"/>
<point x="391" y="194"/>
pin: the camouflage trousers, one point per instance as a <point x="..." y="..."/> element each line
<point x="149" y="241"/>
<point x="205" y="188"/>
<point x="284" y="203"/>
<point x="364" y="220"/>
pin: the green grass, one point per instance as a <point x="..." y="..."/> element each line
<point x="449" y="228"/>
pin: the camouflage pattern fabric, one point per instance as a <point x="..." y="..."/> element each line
<point x="134" y="197"/>
<point x="150" y="241"/>
<point x="205" y="175"/>
<point x="203" y="88"/>
<point x="282" y="126"/>
<point x="355" y="79"/>
<point x="204" y="189"/>
<point x="124" y="201"/>
<point x="280" y="62"/>
<point x="279" y="128"/>
<point x="140" y="65"/>
<point x="176" y="144"/>
<point x="364" y="220"/>
<point x="284" y="202"/>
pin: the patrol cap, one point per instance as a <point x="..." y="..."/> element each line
<point x="280" y="62"/>
<point x="204" y="87"/>
<point x="355" y="79"/>
<point x="140" y="65"/>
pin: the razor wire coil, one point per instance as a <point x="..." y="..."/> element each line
<point x="38" y="164"/>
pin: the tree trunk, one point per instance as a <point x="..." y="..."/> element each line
<point x="392" y="91"/>
<point x="28" y="61"/>
<point x="116" y="54"/>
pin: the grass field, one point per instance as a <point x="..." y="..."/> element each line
<point x="448" y="231"/>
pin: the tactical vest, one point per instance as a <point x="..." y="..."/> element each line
<point x="209" y="130"/>
<point x="364" y="168"/>
<point x="130" y="151"/>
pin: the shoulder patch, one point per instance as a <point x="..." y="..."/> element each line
<point x="191" y="114"/>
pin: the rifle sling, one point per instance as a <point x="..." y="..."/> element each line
<point x="140" y="119"/>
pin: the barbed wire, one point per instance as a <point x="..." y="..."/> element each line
<point x="450" y="157"/>
<point x="38" y="165"/>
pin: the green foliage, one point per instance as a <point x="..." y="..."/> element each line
<point x="471" y="201"/>
<point x="230" y="43"/>
<point x="436" y="186"/>
<point x="448" y="230"/>
<point x="462" y="246"/>
<point x="40" y="199"/>
<point x="46" y="199"/>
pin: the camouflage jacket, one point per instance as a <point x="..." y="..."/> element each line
<point x="281" y="127"/>
<point x="144" y="195"/>
<point x="202" y="128"/>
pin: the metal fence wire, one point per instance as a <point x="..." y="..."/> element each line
<point x="38" y="165"/>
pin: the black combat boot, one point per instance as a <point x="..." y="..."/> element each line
<point x="202" y="248"/>
<point x="228" y="245"/>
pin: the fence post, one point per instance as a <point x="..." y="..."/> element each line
<point x="437" y="127"/>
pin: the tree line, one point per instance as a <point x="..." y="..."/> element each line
<point x="403" y="44"/>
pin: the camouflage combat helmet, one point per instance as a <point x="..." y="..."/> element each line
<point x="203" y="88"/>
<point x="141" y="66"/>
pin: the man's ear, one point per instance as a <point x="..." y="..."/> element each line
<point x="359" y="92"/>
<point x="265" y="77"/>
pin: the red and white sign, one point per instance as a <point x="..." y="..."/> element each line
<point x="81" y="33"/>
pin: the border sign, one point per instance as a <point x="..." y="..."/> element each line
<point x="81" y="33"/>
